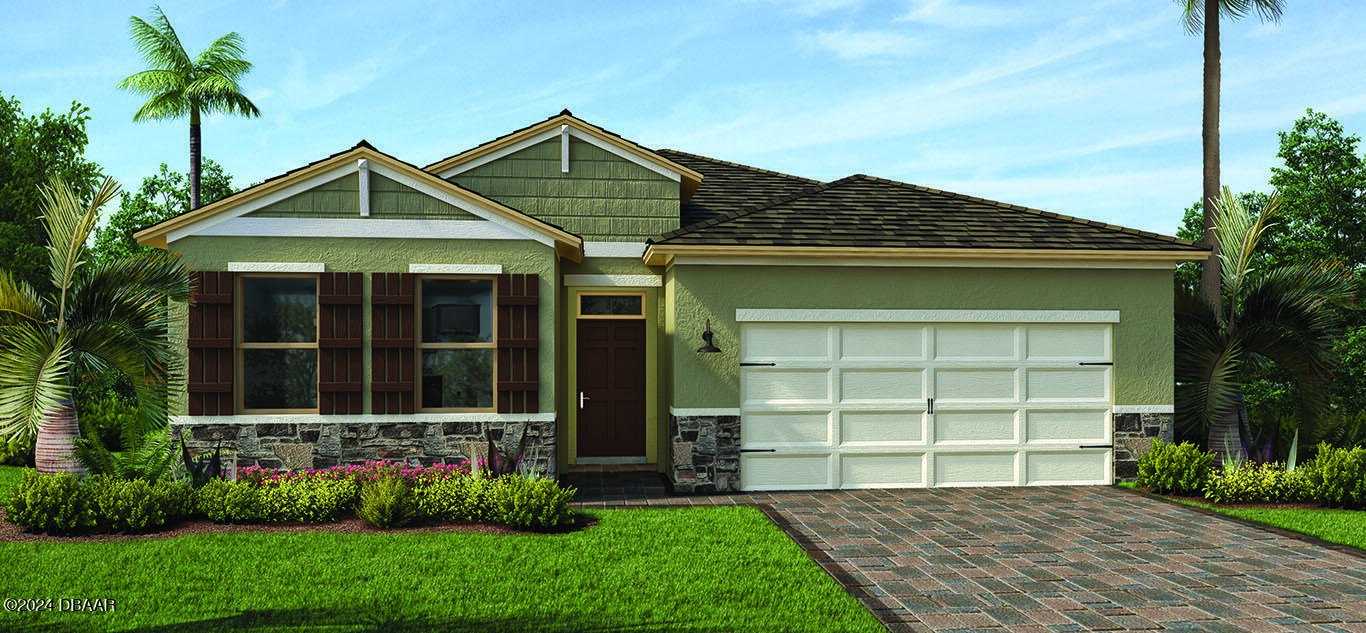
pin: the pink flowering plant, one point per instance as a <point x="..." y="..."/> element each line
<point x="410" y="475"/>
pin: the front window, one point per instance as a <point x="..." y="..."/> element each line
<point x="277" y="349"/>
<point x="456" y="348"/>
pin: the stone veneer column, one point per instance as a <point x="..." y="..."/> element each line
<point x="325" y="444"/>
<point x="1134" y="435"/>
<point x="706" y="453"/>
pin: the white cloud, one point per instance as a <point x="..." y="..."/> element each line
<point x="962" y="15"/>
<point x="863" y="45"/>
<point x="813" y="8"/>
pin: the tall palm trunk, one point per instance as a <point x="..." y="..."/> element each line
<point x="55" y="450"/>
<point x="1228" y="430"/>
<point x="194" y="160"/>
<point x="1209" y="136"/>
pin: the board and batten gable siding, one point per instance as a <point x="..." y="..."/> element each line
<point x="1142" y="338"/>
<point x="604" y="197"/>
<point x="340" y="198"/>
<point x="372" y="255"/>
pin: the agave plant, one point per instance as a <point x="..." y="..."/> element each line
<point x="1288" y="317"/>
<point x="203" y="468"/>
<point x="500" y="463"/>
<point x="102" y="317"/>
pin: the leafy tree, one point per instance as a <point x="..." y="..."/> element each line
<point x="1323" y="184"/>
<point x="160" y="197"/>
<point x="1286" y="317"/>
<point x="101" y="318"/>
<point x="1202" y="16"/>
<point x="180" y="85"/>
<point x="32" y="148"/>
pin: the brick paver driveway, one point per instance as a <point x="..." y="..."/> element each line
<point x="1060" y="559"/>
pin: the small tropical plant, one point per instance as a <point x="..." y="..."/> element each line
<point x="146" y="456"/>
<point x="203" y="468"/>
<point x="1288" y="317"/>
<point x="101" y="317"/>
<point x="387" y="503"/>
<point x="500" y="463"/>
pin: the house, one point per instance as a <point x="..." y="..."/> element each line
<point x="737" y="328"/>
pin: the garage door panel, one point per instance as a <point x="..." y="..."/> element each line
<point x="786" y="341"/>
<point x="975" y="385"/>
<point x="878" y="427"/>
<point x="788" y="428"/>
<point x="1067" y="425"/>
<point x="1068" y="384"/>
<point x="882" y="385"/>
<point x="882" y="342"/>
<point x="773" y="386"/>
<point x="785" y="472"/>
<point x="1066" y="467"/>
<point x="974" y="469"/>
<point x="1068" y="342"/>
<point x="974" y="342"/>
<point x="881" y="471"/>
<point x="972" y="427"/>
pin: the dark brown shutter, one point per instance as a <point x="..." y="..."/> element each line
<point x="339" y="343"/>
<point x="210" y="343"/>
<point x="391" y="343"/>
<point x="518" y="343"/>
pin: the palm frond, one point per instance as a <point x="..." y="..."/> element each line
<point x="158" y="42"/>
<point x="1193" y="11"/>
<point x="68" y="230"/>
<point x="1207" y="367"/>
<point x="1193" y="15"/>
<point x="154" y="82"/>
<point x="33" y="366"/>
<point x="216" y="93"/>
<point x="19" y="302"/>
<point x="1239" y="231"/>
<point x="167" y="105"/>
<point x="224" y="56"/>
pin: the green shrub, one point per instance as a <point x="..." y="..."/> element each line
<point x="309" y="500"/>
<point x="463" y="498"/>
<point x="1252" y="483"/>
<point x="531" y="504"/>
<point x="229" y="502"/>
<point x="16" y="452"/>
<point x="1180" y="469"/>
<point x="55" y="504"/>
<point x="386" y="503"/>
<point x="135" y="505"/>
<point x="1337" y="476"/>
<point x="104" y="420"/>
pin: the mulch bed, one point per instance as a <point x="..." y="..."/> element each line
<point x="10" y="533"/>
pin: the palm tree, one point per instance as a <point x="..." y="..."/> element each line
<point x="1204" y="16"/>
<point x="1287" y="317"/>
<point x="179" y="85"/>
<point x="102" y="317"/>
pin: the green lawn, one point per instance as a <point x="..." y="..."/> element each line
<point x="691" y="569"/>
<point x="1347" y="527"/>
<point x="9" y="475"/>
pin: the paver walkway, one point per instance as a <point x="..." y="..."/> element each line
<point x="1054" y="560"/>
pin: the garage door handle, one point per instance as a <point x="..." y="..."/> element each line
<point x="758" y="364"/>
<point x="1096" y="446"/>
<point x="1105" y="364"/>
<point x="758" y="450"/>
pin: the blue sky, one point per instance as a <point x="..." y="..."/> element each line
<point x="1085" y="107"/>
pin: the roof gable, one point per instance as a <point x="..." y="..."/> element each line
<point x="862" y="212"/>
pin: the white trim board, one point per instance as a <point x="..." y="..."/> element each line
<point x="313" y="418"/>
<point x="275" y="267"/>
<point x="743" y="315"/>
<point x="688" y="413"/>
<point x="635" y="281"/>
<point x="614" y="249"/>
<point x="359" y="227"/>
<point x="1144" y="408"/>
<point x="457" y="269"/>
<point x="551" y="134"/>
<point x="864" y="262"/>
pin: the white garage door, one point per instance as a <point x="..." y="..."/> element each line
<point x="880" y="405"/>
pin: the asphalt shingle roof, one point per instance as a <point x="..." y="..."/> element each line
<point x="862" y="211"/>
<point x="728" y="186"/>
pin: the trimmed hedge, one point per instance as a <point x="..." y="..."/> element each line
<point x="64" y="504"/>
<point x="1181" y="469"/>
<point x="1257" y="483"/>
<point x="1336" y="477"/>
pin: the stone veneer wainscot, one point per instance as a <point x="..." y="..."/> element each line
<point x="1134" y="435"/>
<point x="706" y="453"/>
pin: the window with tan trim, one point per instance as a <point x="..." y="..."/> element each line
<point x="595" y="304"/>
<point x="456" y="335"/>
<point x="276" y="342"/>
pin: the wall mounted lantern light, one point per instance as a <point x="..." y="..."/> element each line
<point x="708" y="348"/>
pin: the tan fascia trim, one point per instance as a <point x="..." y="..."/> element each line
<point x="664" y="254"/>
<point x="566" y="244"/>
<point x="690" y="180"/>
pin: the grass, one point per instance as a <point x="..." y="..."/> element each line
<point x="691" y="569"/>
<point x="9" y="475"/>
<point x="1346" y="527"/>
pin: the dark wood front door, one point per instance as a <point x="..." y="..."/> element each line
<point x="611" y="379"/>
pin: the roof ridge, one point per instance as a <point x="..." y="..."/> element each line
<point x="734" y="164"/>
<point x="739" y="213"/>
<point x="1047" y="214"/>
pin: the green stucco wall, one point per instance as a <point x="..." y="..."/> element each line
<point x="392" y="256"/>
<point x="389" y="200"/>
<point x="603" y="197"/>
<point x="694" y="293"/>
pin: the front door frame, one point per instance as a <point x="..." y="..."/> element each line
<point x="570" y="402"/>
